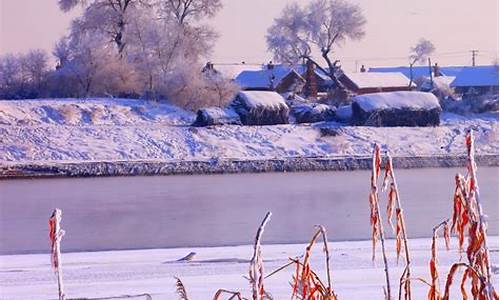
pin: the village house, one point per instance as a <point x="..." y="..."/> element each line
<point x="277" y="78"/>
<point x="476" y="80"/>
<point x="282" y="78"/>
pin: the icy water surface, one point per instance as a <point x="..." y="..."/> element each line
<point x="214" y="210"/>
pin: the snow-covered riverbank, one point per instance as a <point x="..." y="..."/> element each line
<point x="69" y="130"/>
<point x="114" y="273"/>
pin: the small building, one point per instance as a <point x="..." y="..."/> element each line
<point x="373" y="82"/>
<point x="476" y="80"/>
<point x="396" y="109"/>
<point x="281" y="78"/>
<point x="260" y="108"/>
<point x="277" y="79"/>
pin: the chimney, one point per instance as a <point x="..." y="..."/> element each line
<point x="436" y="70"/>
<point x="311" y="87"/>
<point x="270" y="65"/>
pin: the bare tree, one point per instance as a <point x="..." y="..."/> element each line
<point x="322" y="25"/>
<point x="419" y="54"/>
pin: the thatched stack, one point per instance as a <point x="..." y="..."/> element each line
<point x="216" y="116"/>
<point x="396" y="109"/>
<point x="260" y="108"/>
<point x="312" y="113"/>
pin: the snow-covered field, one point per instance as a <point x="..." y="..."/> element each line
<point x="119" y="129"/>
<point x="114" y="273"/>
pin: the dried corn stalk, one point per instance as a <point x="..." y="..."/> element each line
<point x="232" y="295"/>
<point x="434" y="293"/>
<point x="468" y="218"/>
<point x="306" y="283"/>
<point x="375" y="220"/>
<point x="256" y="273"/>
<point x="55" y="236"/>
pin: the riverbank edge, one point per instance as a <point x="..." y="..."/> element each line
<point x="225" y="166"/>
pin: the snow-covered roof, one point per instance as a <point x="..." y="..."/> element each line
<point x="262" y="79"/>
<point x="256" y="99"/>
<point x="397" y="100"/>
<point x="440" y="82"/>
<point x="418" y="71"/>
<point x="231" y="71"/>
<point x="378" y="79"/>
<point x="477" y="76"/>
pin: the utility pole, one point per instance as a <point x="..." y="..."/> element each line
<point x="474" y="53"/>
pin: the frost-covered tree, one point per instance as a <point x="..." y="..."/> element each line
<point x="23" y="75"/>
<point x="188" y="11"/>
<point x="10" y="76"/>
<point x="192" y="89"/>
<point x="109" y="17"/>
<point x="92" y="68"/>
<point x="286" y="38"/>
<point x="322" y="25"/>
<point x="35" y="64"/>
<point x="157" y="47"/>
<point x="419" y="53"/>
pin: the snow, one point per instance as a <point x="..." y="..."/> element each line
<point x="397" y="100"/>
<point x="378" y="79"/>
<point x="132" y="272"/>
<point x="477" y="76"/>
<point x="254" y="99"/>
<point x="161" y="132"/>
<point x="95" y="111"/>
<point x="219" y="113"/>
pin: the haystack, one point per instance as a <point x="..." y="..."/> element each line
<point x="260" y="108"/>
<point x="216" y="116"/>
<point x="396" y="109"/>
<point x="312" y="113"/>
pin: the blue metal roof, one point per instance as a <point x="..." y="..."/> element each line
<point x="476" y="76"/>
<point x="418" y="71"/>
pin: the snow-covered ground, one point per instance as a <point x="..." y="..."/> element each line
<point x="114" y="273"/>
<point x="118" y="129"/>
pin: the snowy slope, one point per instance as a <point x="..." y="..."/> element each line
<point x="114" y="273"/>
<point x="97" y="130"/>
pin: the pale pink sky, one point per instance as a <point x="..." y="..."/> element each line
<point x="393" y="26"/>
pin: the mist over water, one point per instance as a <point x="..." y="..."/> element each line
<point x="214" y="210"/>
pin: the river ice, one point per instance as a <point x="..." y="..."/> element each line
<point x="114" y="273"/>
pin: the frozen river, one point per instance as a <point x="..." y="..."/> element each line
<point x="214" y="210"/>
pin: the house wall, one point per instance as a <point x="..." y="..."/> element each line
<point x="288" y="82"/>
<point x="381" y="90"/>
